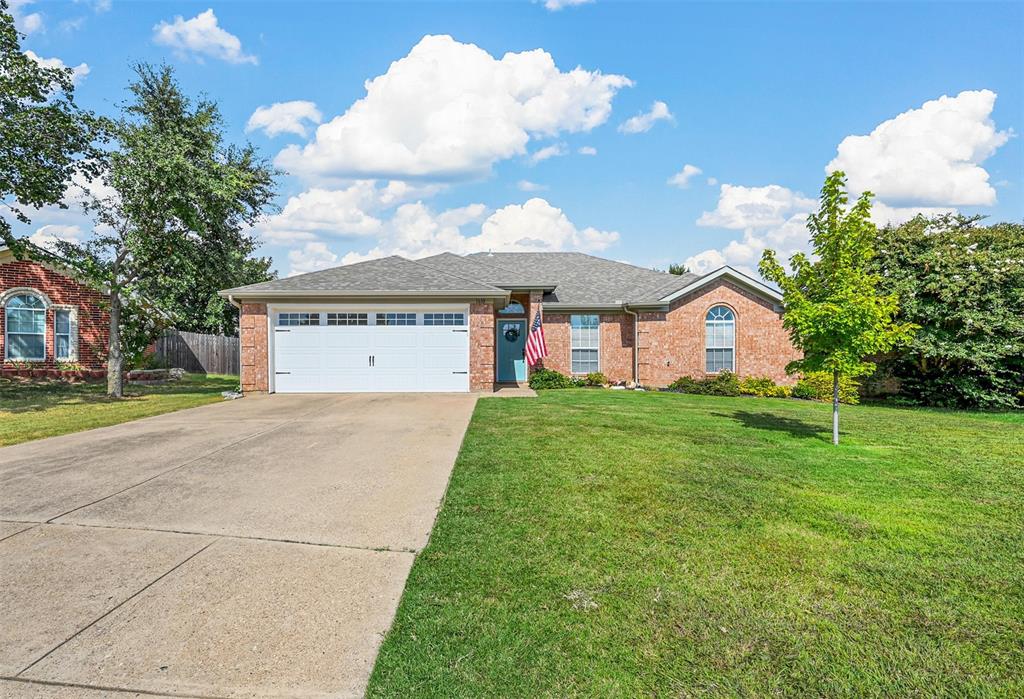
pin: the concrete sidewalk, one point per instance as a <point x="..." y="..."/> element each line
<point x="251" y="548"/>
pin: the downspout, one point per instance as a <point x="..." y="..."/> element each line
<point x="636" y="343"/>
<point x="231" y="300"/>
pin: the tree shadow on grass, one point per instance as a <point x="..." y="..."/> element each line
<point x="776" y="423"/>
<point x="18" y="396"/>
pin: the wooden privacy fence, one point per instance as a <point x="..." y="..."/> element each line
<point x="198" y="353"/>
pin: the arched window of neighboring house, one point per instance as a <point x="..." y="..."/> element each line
<point x="25" y="328"/>
<point x="719" y="340"/>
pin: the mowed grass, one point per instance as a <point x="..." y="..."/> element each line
<point x="602" y="543"/>
<point x="33" y="410"/>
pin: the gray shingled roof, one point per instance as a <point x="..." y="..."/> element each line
<point x="388" y="275"/>
<point x="579" y="280"/>
<point x="585" y="280"/>
<point x="487" y="273"/>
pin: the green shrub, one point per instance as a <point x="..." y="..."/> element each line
<point x="548" y="378"/>
<point x="724" y="384"/>
<point x="763" y="387"/>
<point x="817" y="385"/>
<point x="595" y="378"/>
<point x="686" y="384"/>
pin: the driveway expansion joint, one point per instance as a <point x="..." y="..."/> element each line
<point x="99" y="688"/>
<point x="113" y="609"/>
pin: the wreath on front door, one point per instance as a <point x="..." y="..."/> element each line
<point x="511" y="332"/>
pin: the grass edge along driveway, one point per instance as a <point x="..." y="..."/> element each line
<point x="624" y="544"/>
<point x="34" y="410"/>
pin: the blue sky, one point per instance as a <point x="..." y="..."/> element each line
<point x="760" y="95"/>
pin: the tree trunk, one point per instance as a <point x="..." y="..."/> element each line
<point x="115" y="361"/>
<point x="835" y="407"/>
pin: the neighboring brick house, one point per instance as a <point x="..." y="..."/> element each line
<point x="48" y="318"/>
<point x="459" y="323"/>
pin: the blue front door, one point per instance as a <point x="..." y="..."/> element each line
<point x="511" y="343"/>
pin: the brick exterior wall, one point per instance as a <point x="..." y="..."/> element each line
<point x="615" y="353"/>
<point x="62" y="290"/>
<point x="253" y="343"/>
<point x="481" y="347"/>
<point x="672" y="344"/>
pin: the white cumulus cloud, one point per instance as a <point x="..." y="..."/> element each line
<point x="201" y="36"/>
<point x="77" y="72"/>
<point x="527" y="186"/>
<point x="682" y="178"/>
<point x="755" y="207"/>
<point x="552" y="151"/>
<point x="284" y="117"/>
<point x="450" y="110"/>
<point x="311" y="257"/>
<point x="353" y="211"/>
<point x="929" y="155"/>
<point x="536" y="225"/>
<point x="646" y="120"/>
<point x="25" y="22"/>
<point x="587" y="150"/>
<point x="556" y="5"/>
<point x="46" y="236"/>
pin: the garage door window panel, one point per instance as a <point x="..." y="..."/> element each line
<point x="298" y="319"/>
<point x="396" y="319"/>
<point x="347" y="319"/>
<point x="453" y="319"/>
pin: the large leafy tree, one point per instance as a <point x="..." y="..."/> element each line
<point x="190" y="296"/>
<point x="832" y="306"/>
<point x="44" y="138"/>
<point x="963" y="284"/>
<point x="172" y="205"/>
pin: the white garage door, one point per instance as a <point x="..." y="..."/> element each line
<point x="407" y="349"/>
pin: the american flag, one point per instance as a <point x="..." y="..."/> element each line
<point x="536" y="350"/>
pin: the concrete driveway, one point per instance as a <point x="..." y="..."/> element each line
<point x="250" y="548"/>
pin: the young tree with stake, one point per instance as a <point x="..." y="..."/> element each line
<point x="831" y="305"/>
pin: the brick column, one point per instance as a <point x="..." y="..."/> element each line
<point x="253" y="339"/>
<point x="481" y="347"/>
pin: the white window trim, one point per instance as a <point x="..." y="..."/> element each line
<point x="73" y="333"/>
<point x="598" y="348"/>
<point x="734" y="321"/>
<point x="4" y="299"/>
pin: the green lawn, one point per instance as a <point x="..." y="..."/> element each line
<point x="602" y="543"/>
<point x="32" y="410"/>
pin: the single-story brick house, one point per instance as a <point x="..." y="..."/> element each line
<point x="459" y="323"/>
<point x="49" y="318"/>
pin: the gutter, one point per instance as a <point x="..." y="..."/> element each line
<point x="636" y="342"/>
<point x="238" y="305"/>
<point x="336" y="293"/>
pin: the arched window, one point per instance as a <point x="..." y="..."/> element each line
<point x="719" y="340"/>
<point x="25" y="328"/>
<point x="513" y="309"/>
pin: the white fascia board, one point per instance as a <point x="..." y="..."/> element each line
<point x="738" y="277"/>
<point x="270" y="295"/>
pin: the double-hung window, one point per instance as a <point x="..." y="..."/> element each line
<point x="719" y="340"/>
<point x="64" y="340"/>
<point x="585" y="343"/>
<point x="25" y="327"/>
